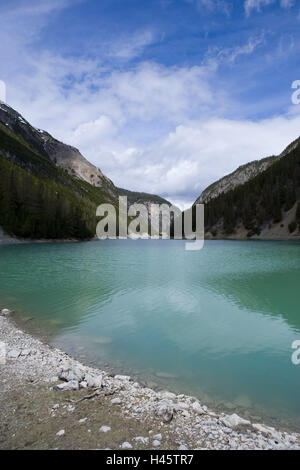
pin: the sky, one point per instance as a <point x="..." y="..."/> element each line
<point x="165" y="96"/>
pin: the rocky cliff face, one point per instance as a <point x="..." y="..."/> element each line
<point x="64" y="156"/>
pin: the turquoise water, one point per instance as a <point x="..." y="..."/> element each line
<point x="216" y="323"/>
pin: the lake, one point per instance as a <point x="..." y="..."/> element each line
<point x="217" y="323"/>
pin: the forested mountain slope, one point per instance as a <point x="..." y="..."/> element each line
<point x="266" y="206"/>
<point x="48" y="189"/>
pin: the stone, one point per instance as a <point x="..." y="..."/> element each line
<point x="105" y="429"/>
<point x="267" y="431"/>
<point x="116" y="401"/>
<point x="83" y="420"/>
<point x="25" y="352"/>
<point x="126" y="445"/>
<point x="182" y="447"/>
<point x="168" y="395"/>
<point x="126" y="378"/>
<point x="67" y="386"/>
<point x="69" y="374"/>
<point x="158" y="437"/>
<point x="93" y="381"/>
<point x="83" y="384"/>
<point x="156" y="443"/>
<point x="197" y="408"/>
<point x="181" y="406"/>
<point x="165" y="410"/>
<point x="14" y="353"/>
<point x="233" y="421"/>
<point x="143" y="440"/>
<point x="61" y="432"/>
<point x="5" y="312"/>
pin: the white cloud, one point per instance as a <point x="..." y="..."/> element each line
<point x="255" y="5"/>
<point x="287" y="3"/>
<point x="223" y="6"/>
<point x="258" y="4"/>
<point x="149" y="127"/>
<point x="231" y="54"/>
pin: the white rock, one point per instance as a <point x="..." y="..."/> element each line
<point x="105" y="429"/>
<point x="156" y="443"/>
<point x="5" y="312"/>
<point x="69" y="374"/>
<point x="143" y="440"/>
<point x="158" y="437"/>
<point x="165" y="410"/>
<point x="126" y="378"/>
<point x="168" y="395"/>
<point x="83" y="384"/>
<point x="267" y="431"/>
<point x="126" y="445"/>
<point x="25" y="352"/>
<point x="93" y="381"/>
<point x="61" y="432"/>
<point x="14" y="353"/>
<point x="116" y="401"/>
<point x="67" y="386"/>
<point x="181" y="406"/>
<point x="182" y="447"/>
<point x="55" y="407"/>
<point x="83" y="420"/>
<point x="233" y="421"/>
<point x="198" y="408"/>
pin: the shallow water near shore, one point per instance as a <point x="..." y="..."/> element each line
<point x="217" y="323"/>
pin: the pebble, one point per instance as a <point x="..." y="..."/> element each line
<point x="116" y="401"/>
<point x="105" y="429"/>
<point x="126" y="445"/>
<point x="182" y="418"/>
<point x="83" y="420"/>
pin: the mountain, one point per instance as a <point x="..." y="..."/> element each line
<point x="259" y="200"/>
<point x="64" y="156"/>
<point x="47" y="188"/>
<point x="240" y="176"/>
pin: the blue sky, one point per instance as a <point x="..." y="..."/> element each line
<point x="165" y="96"/>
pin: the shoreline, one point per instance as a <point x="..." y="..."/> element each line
<point x="77" y="406"/>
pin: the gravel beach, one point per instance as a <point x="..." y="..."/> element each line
<point x="48" y="400"/>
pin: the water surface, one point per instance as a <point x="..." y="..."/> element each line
<point x="216" y="323"/>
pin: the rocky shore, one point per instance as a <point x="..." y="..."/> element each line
<point x="48" y="400"/>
